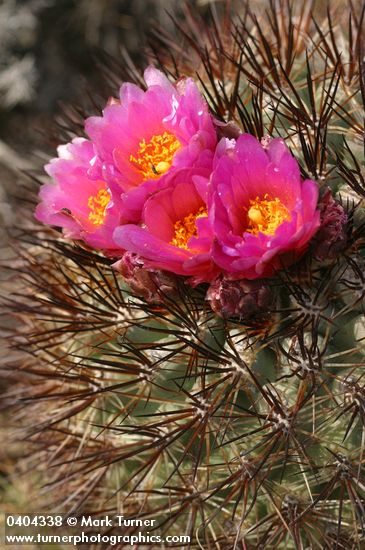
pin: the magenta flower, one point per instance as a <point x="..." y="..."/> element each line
<point x="263" y="215"/>
<point x="82" y="206"/>
<point x="176" y="235"/>
<point x="145" y="138"/>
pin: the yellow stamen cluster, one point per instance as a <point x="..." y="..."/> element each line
<point x="186" y="228"/>
<point x="154" y="157"/>
<point x="265" y="215"/>
<point x="97" y="205"/>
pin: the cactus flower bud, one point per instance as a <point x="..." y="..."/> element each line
<point x="243" y="298"/>
<point x="331" y="237"/>
<point x="150" y="284"/>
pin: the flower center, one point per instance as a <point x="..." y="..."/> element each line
<point x="265" y="216"/>
<point x="154" y="157"/>
<point x="97" y="205"/>
<point x="186" y="228"/>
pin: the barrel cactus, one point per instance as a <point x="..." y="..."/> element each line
<point x="222" y="397"/>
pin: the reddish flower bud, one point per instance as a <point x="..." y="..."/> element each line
<point x="244" y="299"/>
<point x="150" y="284"/>
<point x="331" y="236"/>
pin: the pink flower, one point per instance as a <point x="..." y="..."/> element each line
<point x="176" y="235"/>
<point x="82" y="206"/>
<point x="262" y="214"/>
<point x="145" y="138"/>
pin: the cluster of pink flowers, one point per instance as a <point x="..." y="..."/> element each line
<point x="153" y="181"/>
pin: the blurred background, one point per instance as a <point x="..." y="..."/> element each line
<point x="47" y="54"/>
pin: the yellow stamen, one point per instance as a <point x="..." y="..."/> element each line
<point x="186" y="228"/>
<point x="154" y="157"/>
<point x="265" y="215"/>
<point x="97" y="205"/>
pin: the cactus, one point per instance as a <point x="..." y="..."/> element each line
<point x="242" y="428"/>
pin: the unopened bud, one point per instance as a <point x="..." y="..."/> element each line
<point x="150" y="284"/>
<point x="331" y="237"/>
<point x="244" y="299"/>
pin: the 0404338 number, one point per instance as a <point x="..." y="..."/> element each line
<point x="37" y="520"/>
